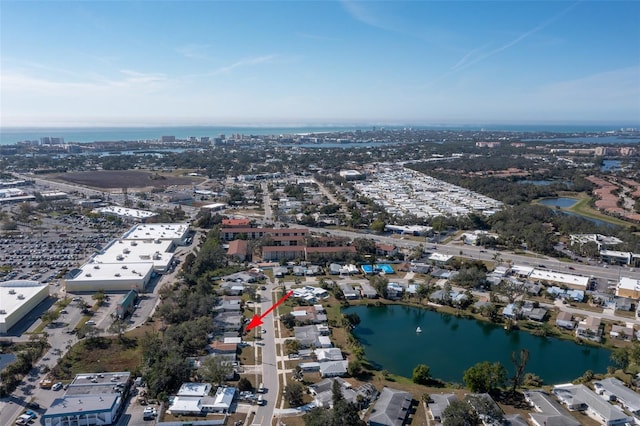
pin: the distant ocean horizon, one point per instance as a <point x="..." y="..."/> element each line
<point x="12" y="135"/>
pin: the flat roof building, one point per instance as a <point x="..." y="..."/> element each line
<point x="17" y="299"/>
<point x="89" y="400"/>
<point x="176" y="232"/>
<point x="125" y="213"/>
<point x="128" y="263"/>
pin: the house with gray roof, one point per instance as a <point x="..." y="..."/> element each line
<point x="440" y="401"/>
<point x="333" y="368"/>
<point x="391" y="409"/>
<point x="612" y="387"/>
<point x="307" y="335"/>
<point x="368" y="291"/>
<point x="565" y="320"/>
<point x="581" y="398"/>
<point x="549" y="411"/>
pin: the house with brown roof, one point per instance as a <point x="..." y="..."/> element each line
<point x="386" y="249"/>
<point x="219" y="347"/>
<point x="590" y="328"/>
<point x="238" y="249"/>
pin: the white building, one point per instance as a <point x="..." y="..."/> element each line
<point x="176" y="232"/>
<point x="17" y="299"/>
<point x="90" y="400"/>
<point x="130" y="262"/>
<point x="125" y="213"/>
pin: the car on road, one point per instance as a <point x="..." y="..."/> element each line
<point x="90" y="322"/>
<point x="64" y="311"/>
<point x="57" y="386"/>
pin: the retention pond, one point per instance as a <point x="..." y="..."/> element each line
<point x="449" y="345"/>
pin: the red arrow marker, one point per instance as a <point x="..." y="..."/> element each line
<point x="257" y="320"/>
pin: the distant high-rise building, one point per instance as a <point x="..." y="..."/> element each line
<point x="167" y="138"/>
<point x="57" y="141"/>
<point x="45" y="140"/>
<point x="204" y="139"/>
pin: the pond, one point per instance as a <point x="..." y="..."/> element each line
<point x="610" y="165"/>
<point x="449" y="345"/>
<point x="563" y="202"/>
<point x="566" y="202"/>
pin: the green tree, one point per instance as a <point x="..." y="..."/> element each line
<point x="244" y="384"/>
<point x="459" y="413"/>
<point x="293" y="394"/>
<point x="621" y="358"/>
<point x="485" y="377"/>
<point x="215" y="369"/>
<point x="354" y="368"/>
<point x="421" y="374"/>
<point x="118" y="327"/>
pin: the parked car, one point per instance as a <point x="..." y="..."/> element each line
<point x="57" y="386"/>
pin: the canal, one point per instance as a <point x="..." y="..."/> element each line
<point x="449" y="345"/>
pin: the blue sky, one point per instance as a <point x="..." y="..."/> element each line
<point x="319" y="62"/>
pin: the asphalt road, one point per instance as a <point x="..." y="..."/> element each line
<point x="264" y="413"/>
<point x="457" y="248"/>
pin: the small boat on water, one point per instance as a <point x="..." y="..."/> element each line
<point x="418" y="330"/>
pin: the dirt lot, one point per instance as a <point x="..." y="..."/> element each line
<point x="125" y="178"/>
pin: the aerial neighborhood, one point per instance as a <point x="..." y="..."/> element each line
<point x="356" y="278"/>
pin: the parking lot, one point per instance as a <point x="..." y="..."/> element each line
<point x="54" y="244"/>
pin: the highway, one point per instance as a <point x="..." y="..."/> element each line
<point x="457" y="248"/>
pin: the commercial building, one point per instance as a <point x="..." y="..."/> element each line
<point x="90" y="400"/>
<point x="17" y="299"/>
<point x="175" y="232"/>
<point x="125" y="213"/>
<point x="628" y="287"/>
<point x="130" y="262"/>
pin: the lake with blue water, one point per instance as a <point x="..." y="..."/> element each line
<point x="449" y="345"/>
<point x="566" y="202"/>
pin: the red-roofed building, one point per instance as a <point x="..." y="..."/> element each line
<point x="219" y="347"/>
<point x="386" y="249"/>
<point x="238" y="249"/>
<point x="236" y="223"/>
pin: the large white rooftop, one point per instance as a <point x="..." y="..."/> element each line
<point x="14" y="294"/>
<point x="112" y="272"/>
<point x="127" y="252"/>
<point x="159" y="231"/>
<point x="559" y="277"/>
<point x="126" y="212"/>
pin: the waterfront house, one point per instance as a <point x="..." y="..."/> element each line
<point x="439" y="402"/>
<point x="565" y="320"/>
<point x="590" y="328"/>
<point x="581" y="398"/>
<point x="391" y="409"/>
<point x="615" y="390"/>
<point x="548" y="411"/>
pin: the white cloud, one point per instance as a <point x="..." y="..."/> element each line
<point x="194" y="51"/>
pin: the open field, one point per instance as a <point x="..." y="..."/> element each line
<point x="110" y="179"/>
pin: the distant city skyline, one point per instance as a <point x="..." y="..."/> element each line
<point x="153" y="63"/>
